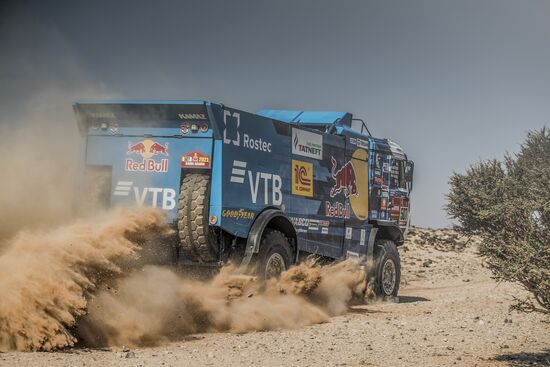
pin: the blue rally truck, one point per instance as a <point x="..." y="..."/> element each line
<point x="265" y="189"/>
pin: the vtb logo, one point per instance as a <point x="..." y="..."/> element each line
<point x="302" y="178"/>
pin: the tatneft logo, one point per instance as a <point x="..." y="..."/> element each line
<point x="192" y="116"/>
<point x="247" y="142"/>
<point x="271" y="183"/>
<point x="148" y="195"/>
<point x="307" y="144"/>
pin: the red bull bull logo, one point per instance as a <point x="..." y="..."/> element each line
<point x="148" y="149"/>
<point x="344" y="179"/>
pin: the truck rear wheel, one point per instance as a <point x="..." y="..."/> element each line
<point x="274" y="256"/>
<point x="387" y="274"/>
<point x="196" y="239"/>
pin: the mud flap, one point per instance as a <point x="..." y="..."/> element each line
<point x="370" y="253"/>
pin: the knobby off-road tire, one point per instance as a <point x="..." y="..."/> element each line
<point x="196" y="239"/>
<point x="387" y="274"/>
<point x="274" y="256"/>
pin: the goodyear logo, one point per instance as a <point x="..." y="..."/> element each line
<point x="302" y="178"/>
<point x="237" y="214"/>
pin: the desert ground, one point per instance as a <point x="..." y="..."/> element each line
<point x="449" y="312"/>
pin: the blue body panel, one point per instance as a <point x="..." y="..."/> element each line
<point x="330" y="185"/>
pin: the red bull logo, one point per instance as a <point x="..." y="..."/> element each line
<point x="337" y="210"/>
<point x="344" y="179"/>
<point x="147" y="149"/>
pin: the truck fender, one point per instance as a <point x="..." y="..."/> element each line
<point x="257" y="230"/>
<point x="390" y="231"/>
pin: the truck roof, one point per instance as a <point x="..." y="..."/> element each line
<point x="306" y="117"/>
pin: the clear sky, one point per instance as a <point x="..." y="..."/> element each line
<point x="451" y="81"/>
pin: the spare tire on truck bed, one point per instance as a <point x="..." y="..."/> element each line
<point x="196" y="239"/>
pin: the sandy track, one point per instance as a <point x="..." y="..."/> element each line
<point x="450" y="312"/>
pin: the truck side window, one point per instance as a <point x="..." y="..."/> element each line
<point x="397" y="175"/>
<point x="394" y="174"/>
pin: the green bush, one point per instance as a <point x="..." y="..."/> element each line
<point x="508" y="204"/>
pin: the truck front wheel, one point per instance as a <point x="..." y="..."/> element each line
<point x="387" y="269"/>
<point x="275" y="256"/>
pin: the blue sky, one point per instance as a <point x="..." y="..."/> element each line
<point x="451" y="81"/>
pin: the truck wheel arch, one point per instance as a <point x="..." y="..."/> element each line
<point x="390" y="231"/>
<point x="270" y="218"/>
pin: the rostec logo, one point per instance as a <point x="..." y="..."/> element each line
<point x="302" y="178"/>
<point x="147" y="149"/>
<point x="307" y="144"/>
<point x="149" y="195"/>
<point x="344" y="179"/>
<point x="271" y="183"/>
<point x="248" y="141"/>
<point x="237" y="117"/>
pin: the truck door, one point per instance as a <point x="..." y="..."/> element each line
<point x="357" y="196"/>
<point x="317" y="208"/>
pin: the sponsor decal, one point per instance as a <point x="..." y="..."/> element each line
<point x="352" y="179"/>
<point x="307" y="144"/>
<point x="362" y="239"/>
<point x="399" y="210"/>
<point x="247" y="142"/>
<point x="192" y="116"/>
<point x="271" y="183"/>
<point x="349" y="233"/>
<point x="344" y="179"/>
<point x="150" y="196"/>
<point x="337" y="210"/>
<point x="147" y="149"/>
<point x="302" y="178"/>
<point x="351" y="253"/>
<point x="383" y="203"/>
<point x="378" y="180"/>
<point x="360" y="143"/>
<point x="195" y="160"/>
<point x="238" y="214"/>
<point x="312" y="225"/>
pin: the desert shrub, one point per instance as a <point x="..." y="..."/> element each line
<point x="508" y="204"/>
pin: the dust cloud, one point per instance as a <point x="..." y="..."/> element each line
<point x="47" y="278"/>
<point x="39" y="158"/>
<point x="84" y="282"/>
<point x="155" y="305"/>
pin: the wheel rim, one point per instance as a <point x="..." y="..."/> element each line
<point x="274" y="266"/>
<point x="389" y="276"/>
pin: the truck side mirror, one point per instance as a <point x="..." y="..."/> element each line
<point x="409" y="168"/>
